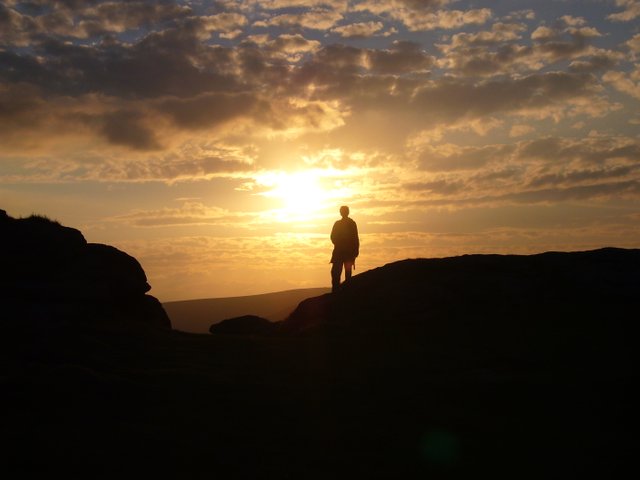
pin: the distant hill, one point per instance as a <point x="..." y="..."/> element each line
<point x="196" y="316"/>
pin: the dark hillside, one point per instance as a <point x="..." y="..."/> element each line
<point x="546" y="305"/>
<point x="467" y="367"/>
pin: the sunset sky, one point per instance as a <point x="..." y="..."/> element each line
<point x="216" y="141"/>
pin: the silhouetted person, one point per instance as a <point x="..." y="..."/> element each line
<point x="346" y="247"/>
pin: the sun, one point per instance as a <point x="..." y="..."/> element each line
<point x="301" y="195"/>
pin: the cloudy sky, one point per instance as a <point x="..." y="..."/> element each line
<point x="216" y="140"/>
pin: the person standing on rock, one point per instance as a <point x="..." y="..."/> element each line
<point x="346" y="247"/>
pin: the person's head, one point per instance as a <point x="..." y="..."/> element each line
<point x="344" y="211"/>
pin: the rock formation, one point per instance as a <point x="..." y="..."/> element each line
<point x="552" y="305"/>
<point x="49" y="274"/>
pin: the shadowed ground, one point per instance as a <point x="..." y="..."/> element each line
<point x="477" y="366"/>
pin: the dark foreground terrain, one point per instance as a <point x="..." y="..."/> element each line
<point x="466" y="367"/>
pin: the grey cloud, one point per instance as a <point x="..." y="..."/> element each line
<point x="172" y="168"/>
<point x="208" y="110"/>
<point x="83" y="19"/>
<point x="349" y="72"/>
<point x="478" y="61"/>
<point x="440" y="187"/>
<point x="497" y="51"/>
<point x="560" y="49"/>
<point x="581" y="176"/>
<point x="552" y="169"/>
<point x="129" y="15"/>
<point x="127" y="128"/>
<point x="160" y="64"/>
<point x="468" y="158"/>
<point x="20" y="106"/>
<point x="15" y="28"/>
<point x="564" y="40"/>
<point x="595" y="63"/>
<point x="454" y="100"/>
<point x="543" y="148"/>
<point x="585" y="192"/>
<point x="596" y="150"/>
<point x="402" y="57"/>
<point x="424" y="4"/>
<point x="335" y="66"/>
<point x="536" y="196"/>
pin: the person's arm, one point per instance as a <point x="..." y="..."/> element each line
<point x="357" y="242"/>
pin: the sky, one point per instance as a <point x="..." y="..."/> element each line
<point x="216" y="140"/>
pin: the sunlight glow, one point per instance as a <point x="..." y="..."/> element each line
<point x="303" y="195"/>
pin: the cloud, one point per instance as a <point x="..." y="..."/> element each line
<point x="520" y="130"/>
<point x="500" y="32"/>
<point x="162" y="63"/>
<point x="209" y="109"/>
<point x="222" y="22"/>
<point x="359" y="30"/>
<point x="402" y="57"/>
<point x="546" y="170"/>
<point x="20" y="106"/>
<point x="628" y="83"/>
<point x="129" y="128"/>
<point x="281" y="4"/>
<point x="293" y="48"/>
<point x="319" y="19"/>
<point x="190" y="213"/>
<point x="597" y="61"/>
<point x="191" y="162"/>
<point x="118" y="17"/>
<point x="83" y="19"/>
<point x="599" y="191"/>
<point x="422" y="15"/>
<point x="437" y="187"/>
<point x="443" y="19"/>
<point x="380" y="7"/>
<point x="589" y="151"/>
<point x="171" y="85"/>
<point x="631" y="11"/>
<point x="564" y="41"/>
<point x="536" y="94"/>
<point x="634" y="43"/>
<point x="501" y="50"/>
<point x="449" y="157"/>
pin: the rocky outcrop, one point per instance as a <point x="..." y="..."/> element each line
<point x="558" y="305"/>
<point x="49" y="273"/>
<point x="480" y="289"/>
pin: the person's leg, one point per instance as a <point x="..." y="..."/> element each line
<point x="348" y="266"/>
<point x="336" y="272"/>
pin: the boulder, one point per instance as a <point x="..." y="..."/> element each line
<point x="49" y="273"/>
